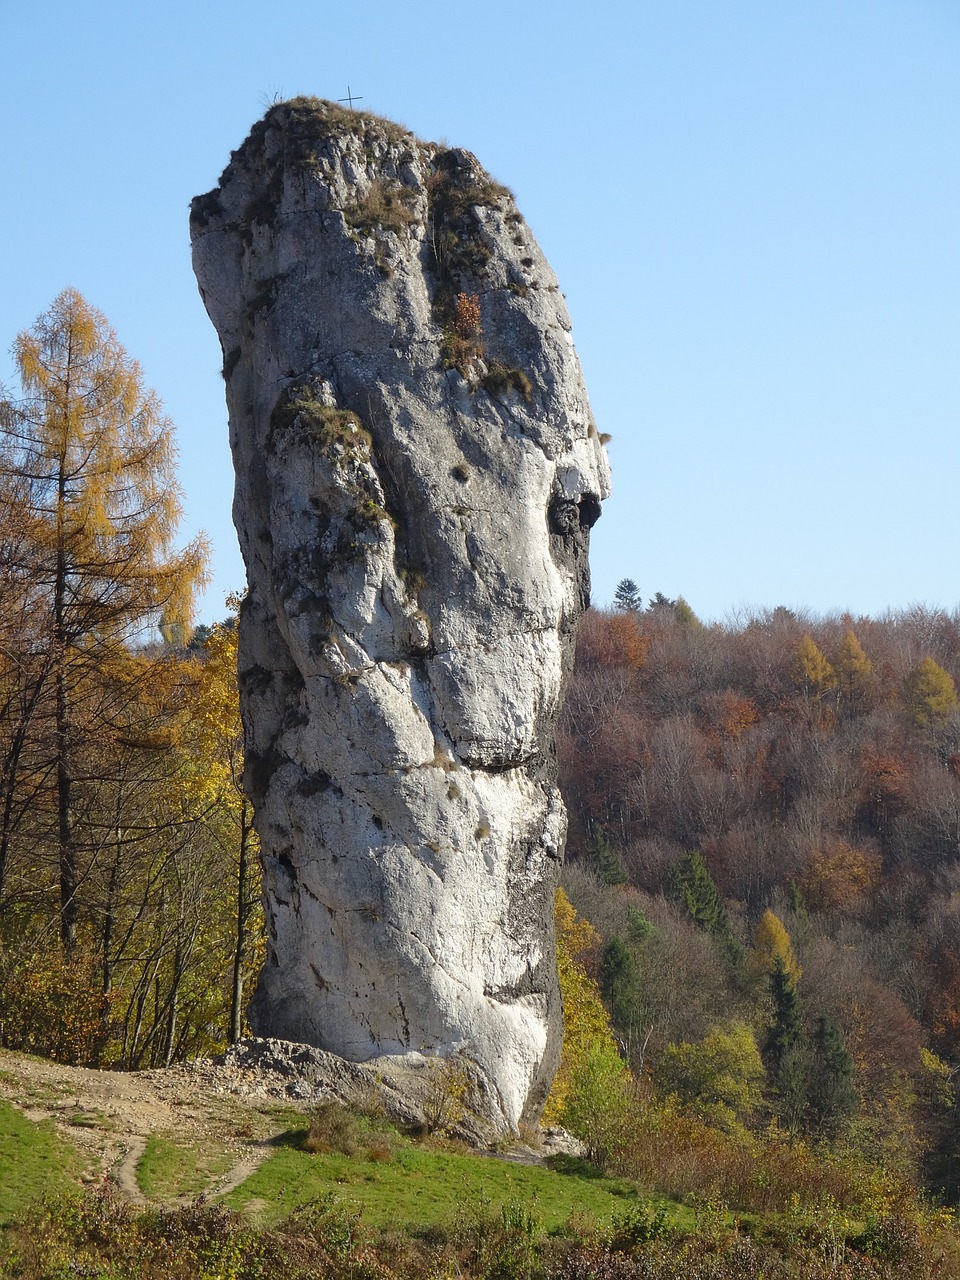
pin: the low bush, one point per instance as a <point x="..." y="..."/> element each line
<point x="336" y="1128"/>
<point x="332" y="1128"/>
<point x="386" y="205"/>
<point x="54" y="1005"/>
<point x="500" y="377"/>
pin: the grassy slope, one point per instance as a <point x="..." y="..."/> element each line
<point x="419" y="1187"/>
<point x="410" y="1184"/>
<point x="396" y="1182"/>
<point x="34" y="1161"/>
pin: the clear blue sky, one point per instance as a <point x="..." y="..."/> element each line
<point x="753" y="207"/>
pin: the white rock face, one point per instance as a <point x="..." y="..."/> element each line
<point x="417" y="472"/>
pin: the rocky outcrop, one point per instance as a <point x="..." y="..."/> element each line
<point x="417" y="473"/>
<point x="419" y="1092"/>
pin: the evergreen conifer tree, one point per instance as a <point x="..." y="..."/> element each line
<point x="693" y="887"/>
<point x="607" y="862"/>
<point x="620" y="986"/>
<point x="785" y="1052"/>
<point x="627" y="596"/>
<point x="831" y="1094"/>
<point x="638" y="926"/>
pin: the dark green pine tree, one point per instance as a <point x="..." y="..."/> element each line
<point x="619" y="977"/>
<point x="831" y="1095"/>
<point x="621" y="986"/>
<point x="786" y="1052"/>
<point x="639" y="927"/>
<point x="627" y="596"/>
<point x="607" y="862"/>
<point x="693" y="887"/>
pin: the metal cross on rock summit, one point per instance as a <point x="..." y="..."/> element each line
<point x="350" y="99"/>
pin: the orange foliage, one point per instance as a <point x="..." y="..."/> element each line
<point x="466" y="315"/>
<point x="886" y="789"/>
<point x="729" y="715"/>
<point x="882" y="1036"/>
<point x="738" y="714"/>
<point x="835" y="876"/>
<point x="662" y="1145"/>
<point x="611" y="640"/>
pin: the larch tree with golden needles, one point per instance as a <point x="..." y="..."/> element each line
<point x="771" y="943"/>
<point x="929" y="695"/>
<point x="812" y="673"/>
<point x="591" y="1073"/>
<point x="25" y="668"/>
<point x="854" y="672"/>
<point x="93" y="456"/>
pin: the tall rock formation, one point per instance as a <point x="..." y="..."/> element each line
<point x="417" y="473"/>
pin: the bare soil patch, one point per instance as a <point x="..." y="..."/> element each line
<point x="109" y="1115"/>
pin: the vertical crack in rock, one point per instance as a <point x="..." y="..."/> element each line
<point x="417" y="473"/>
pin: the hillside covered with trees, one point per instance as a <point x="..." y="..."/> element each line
<point x="765" y="829"/>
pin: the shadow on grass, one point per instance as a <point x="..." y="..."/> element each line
<point x="294" y="1138"/>
<point x="573" y="1166"/>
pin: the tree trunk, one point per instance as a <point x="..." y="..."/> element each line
<point x="65" y="843"/>
<point x="243" y="916"/>
<point x="68" y="854"/>
<point x="109" y="920"/>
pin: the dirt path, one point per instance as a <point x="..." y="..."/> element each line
<point x="125" y="1173"/>
<point x="109" y="1116"/>
<point x="240" y="1172"/>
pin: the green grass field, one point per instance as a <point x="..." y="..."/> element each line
<point x="35" y="1161"/>
<point x="169" y="1169"/>
<point x="417" y="1187"/>
<point x="394" y="1182"/>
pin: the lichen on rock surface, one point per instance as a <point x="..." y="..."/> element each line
<point x="417" y="472"/>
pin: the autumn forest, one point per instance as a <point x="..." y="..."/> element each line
<point x="765" y="828"/>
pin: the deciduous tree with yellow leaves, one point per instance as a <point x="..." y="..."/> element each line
<point x="592" y="1077"/>
<point x="771" y="943"/>
<point x="812" y="673"/>
<point x="854" y="673"/>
